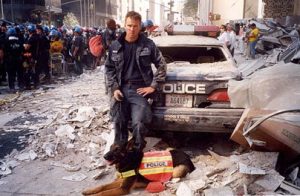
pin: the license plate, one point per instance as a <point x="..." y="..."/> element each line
<point x="175" y="100"/>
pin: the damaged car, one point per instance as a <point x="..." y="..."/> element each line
<point x="194" y="96"/>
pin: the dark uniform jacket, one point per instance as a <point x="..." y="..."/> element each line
<point x="146" y="54"/>
<point x="13" y="49"/>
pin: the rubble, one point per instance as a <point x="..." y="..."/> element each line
<point x="77" y="177"/>
<point x="77" y="126"/>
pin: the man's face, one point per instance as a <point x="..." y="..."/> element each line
<point x="39" y="31"/>
<point x="3" y="29"/>
<point x="132" y="28"/>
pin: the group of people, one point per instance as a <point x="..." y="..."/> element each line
<point x="26" y="51"/>
<point x="245" y="42"/>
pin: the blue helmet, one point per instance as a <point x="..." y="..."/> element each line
<point x="59" y="34"/>
<point x="11" y="31"/>
<point x="52" y="27"/>
<point x="46" y="29"/>
<point x="78" y="30"/>
<point x="53" y="33"/>
<point x="31" y="28"/>
<point x="21" y="27"/>
<point x="148" y="23"/>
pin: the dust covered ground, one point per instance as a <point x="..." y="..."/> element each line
<point x="52" y="142"/>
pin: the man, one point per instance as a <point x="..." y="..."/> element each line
<point x="131" y="80"/>
<point x="109" y="34"/>
<point x="253" y="37"/>
<point x="3" y="30"/>
<point x="32" y="72"/>
<point x="148" y="25"/>
<point x="14" y="50"/>
<point x="77" y="50"/>
<point x="43" y="53"/>
<point x="224" y="36"/>
<point x="232" y="39"/>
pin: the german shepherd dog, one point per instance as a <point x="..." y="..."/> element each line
<point x="127" y="158"/>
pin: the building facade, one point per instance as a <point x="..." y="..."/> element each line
<point x="90" y="13"/>
<point x="239" y="9"/>
<point x="34" y="11"/>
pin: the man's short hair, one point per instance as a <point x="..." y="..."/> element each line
<point x="134" y="15"/>
<point x="253" y="25"/>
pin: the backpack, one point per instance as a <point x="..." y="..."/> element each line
<point x="96" y="46"/>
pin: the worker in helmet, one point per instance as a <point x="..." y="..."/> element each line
<point x="77" y="50"/>
<point x="14" y="50"/>
<point x="148" y="24"/>
<point x="31" y="46"/>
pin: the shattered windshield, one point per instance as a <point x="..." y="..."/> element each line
<point x="193" y="55"/>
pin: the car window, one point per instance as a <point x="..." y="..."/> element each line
<point x="194" y="55"/>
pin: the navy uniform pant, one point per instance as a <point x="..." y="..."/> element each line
<point x="136" y="108"/>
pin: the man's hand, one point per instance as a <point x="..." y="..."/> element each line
<point x="145" y="91"/>
<point x="118" y="95"/>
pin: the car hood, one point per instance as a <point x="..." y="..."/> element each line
<point x="204" y="71"/>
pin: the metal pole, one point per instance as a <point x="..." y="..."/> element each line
<point x="94" y="12"/>
<point x="11" y="11"/>
<point x="2" y="13"/>
<point x="49" y="13"/>
<point x="88" y="13"/>
<point x="84" y="12"/>
<point x="81" y="21"/>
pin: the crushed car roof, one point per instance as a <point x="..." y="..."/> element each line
<point x="185" y="40"/>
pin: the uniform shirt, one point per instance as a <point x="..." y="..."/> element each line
<point x="131" y="71"/>
<point x="44" y="46"/>
<point x="78" y="42"/>
<point x="33" y="42"/>
<point x="14" y="49"/>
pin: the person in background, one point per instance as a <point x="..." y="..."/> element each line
<point x="232" y="39"/>
<point x="67" y="40"/>
<point x="31" y="46"/>
<point x="148" y="25"/>
<point x="109" y="34"/>
<point x="253" y="38"/>
<point x="241" y="38"/>
<point x="2" y="67"/>
<point x="77" y="50"/>
<point x="224" y="37"/>
<point x="131" y="80"/>
<point x="3" y="30"/>
<point x="13" y="56"/>
<point x="43" y="53"/>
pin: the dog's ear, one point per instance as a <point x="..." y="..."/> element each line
<point x="130" y="145"/>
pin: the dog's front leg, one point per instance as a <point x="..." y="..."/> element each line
<point x="113" y="192"/>
<point x="116" y="184"/>
<point x="123" y="189"/>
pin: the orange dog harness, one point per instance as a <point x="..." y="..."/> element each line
<point x="156" y="166"/>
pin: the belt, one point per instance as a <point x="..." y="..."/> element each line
<point x="134" y="82"/>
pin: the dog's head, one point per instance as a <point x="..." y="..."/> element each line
<point x="116" y="153"/>
<point x="124" y="156"/>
